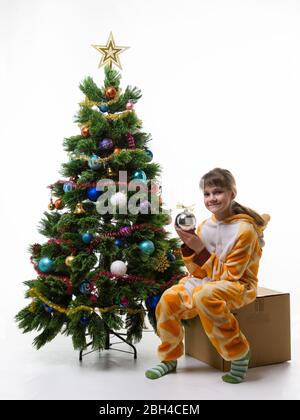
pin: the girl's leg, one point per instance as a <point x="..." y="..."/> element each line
<point x="213" y="302"/>
<point x="174" y="305"/>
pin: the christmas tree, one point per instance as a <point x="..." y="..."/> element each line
<point x="108" y="257"/>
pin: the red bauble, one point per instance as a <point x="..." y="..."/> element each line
<point x="110" y="92"/>
<point x="93" y="298"/>
<point x="85" y="131"/>
<point x="117" y="150"/>
<point x="58" y="204"/>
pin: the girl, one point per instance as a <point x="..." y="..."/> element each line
<point x="222" y="259"/>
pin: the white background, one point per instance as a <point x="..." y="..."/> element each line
<point x="220" y="83"/>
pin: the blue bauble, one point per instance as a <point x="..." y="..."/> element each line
<point x="84" y="320"/>
<point x="139" y="174"/>
<point x="68" y="186"/>
<point x="46" y="264"/>
<point x="94" y="162"/>
<point x="48" y="308"/>
<point x="93" y="194"/>
<point x="149" y="154"/>
<point x="152" y="301"/>
<point x="87" y="237"/>
<point x="103" y="108"/>
<point x="171" y="257"/>
<point x="85" y="287"/>
<point x="147" y="247"/>
<point x="119" y="243"/>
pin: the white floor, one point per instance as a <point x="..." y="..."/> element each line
<point x="54" y="372"/>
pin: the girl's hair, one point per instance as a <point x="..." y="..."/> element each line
<point x="223" y="178"/>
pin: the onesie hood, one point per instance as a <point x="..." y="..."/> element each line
<point x="242" y="217"/>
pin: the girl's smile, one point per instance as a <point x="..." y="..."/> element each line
<point x="218" y="200"/>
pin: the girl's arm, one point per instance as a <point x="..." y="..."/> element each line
<point x="193" y="252"/>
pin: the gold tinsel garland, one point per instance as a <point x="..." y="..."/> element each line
<point x="88" y="103"/>
<point x="34" y="293"/>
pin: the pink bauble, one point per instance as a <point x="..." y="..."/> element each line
<point x="129" y="106"/>
<point x="124" y="301"/>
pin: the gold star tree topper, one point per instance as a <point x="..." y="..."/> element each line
<point x="110" y="52"/>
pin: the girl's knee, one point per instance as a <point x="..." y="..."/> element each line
<point x="200" y="293"/>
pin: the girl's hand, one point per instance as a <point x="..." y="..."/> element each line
<point x="190" y="239"/>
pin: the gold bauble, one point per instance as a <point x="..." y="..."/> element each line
<point x="69" y="260"/>
<point x="79" y="209"/>
<point x="169" y="219"/>
<point x="51" y="206"/>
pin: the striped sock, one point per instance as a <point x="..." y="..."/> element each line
<point x="161" y="369"/>
<point x="238" y="370"/>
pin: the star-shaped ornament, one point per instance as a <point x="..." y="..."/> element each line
<point x="110" y="52"/>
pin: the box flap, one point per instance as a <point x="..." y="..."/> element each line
<point x="263" y="291"/>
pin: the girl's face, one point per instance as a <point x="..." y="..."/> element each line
<point x="218" y="201"/>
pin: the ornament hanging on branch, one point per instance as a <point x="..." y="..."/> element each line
<point x="152" y="301"/>
<point x="119" y="268"/>
<point x="131" y="141"/>
<point x="94" y="162"/>
<point x="93" y="194"/>
<point x="162" y="264"/>
<point x="147" y="247"/>
<point x="51" y="205"/>
<point x="79" y="209"/>
<point x="124" y="301"/>
<point x="47" y="308"/>
<point x="110" y="92"/>
<point x="106" y="147"/>
<point x="85" y="287"/>
<point x="85" y="131"/>
<point x="149" y="155"/>
<point x="45" y="264"/>
<point x="36" y="249"/>
<point x="69" y="260"/>
<point x="117" y="150"/>
<point x="139" y="175"/>
<point x="84" y="320"/>
<point x="68" y="187"/>
<point x="129" y="106"/>
<point x="58" y="204"/>
<point x="103" y="108"/>
<point x="87" y="237"/>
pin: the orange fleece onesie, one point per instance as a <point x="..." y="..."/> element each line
<point x="223" y="277"/>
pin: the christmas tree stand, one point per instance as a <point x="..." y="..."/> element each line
<point x="109" y="345"/>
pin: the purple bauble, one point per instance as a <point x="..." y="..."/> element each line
<point x="125" y="231"/>
<point x="144" y="206"/>
<point x="106" y="144"/>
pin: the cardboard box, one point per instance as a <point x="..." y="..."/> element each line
<point x="265" y="323"/>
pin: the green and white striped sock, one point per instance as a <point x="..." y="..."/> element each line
<point x="161" y="369"/>
<point x="238" y="370"/>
